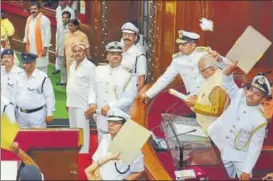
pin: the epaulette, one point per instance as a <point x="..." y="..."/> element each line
<point x="203" y="49"/>
<point x="178" y="54"/>
<point x="264" y="115"/>
<point x="127" y="69"/>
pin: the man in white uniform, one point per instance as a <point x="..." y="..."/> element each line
<point x="38" y="35"/>
<point x="133" y="59"/>
<point x="108" y="166"/>
<point x="81" y="83"/>
<point x="116" y="88"/>
<point x="33" y="94"/>
<point x="63" y="6"/>
<point x="240" y="131"/>
<point x="7" y="109"/>
<point x="184" y="63"/>
<point x="9" y="72"/>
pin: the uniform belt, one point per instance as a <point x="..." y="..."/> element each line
<point x="31" y="110"/>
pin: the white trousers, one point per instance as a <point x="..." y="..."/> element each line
<point x="44" y="69"/>
<point x="57" y="64"/>
<point x="62" y="69"/>
<point x="234" y="168"/>
<point x="31" y="120"/>
<point x="78" y="120"/>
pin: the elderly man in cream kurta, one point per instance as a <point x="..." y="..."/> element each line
<point x="211" y="99"/>
<point x="38" y="36"/>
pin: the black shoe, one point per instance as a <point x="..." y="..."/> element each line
<point x="60" y="83"/>
<point x="56" y="72"/>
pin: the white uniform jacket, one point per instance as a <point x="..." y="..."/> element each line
<point x="116" y="87"/>
<point x="232" y="129"/>
<point x="187" y="67"/>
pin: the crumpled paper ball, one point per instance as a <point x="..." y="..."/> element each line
<point x="206" y="25"/>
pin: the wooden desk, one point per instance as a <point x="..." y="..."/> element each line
<point x="56" y="151"/>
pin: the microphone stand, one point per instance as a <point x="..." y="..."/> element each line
<point x="181" y="146"/>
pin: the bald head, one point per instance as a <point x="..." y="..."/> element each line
<point x="207" y="65"/>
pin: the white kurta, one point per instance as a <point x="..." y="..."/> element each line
<point x="81" y="84"/>
<point x="108" y="171"/>
<point x="116" y="87"/>
<point x="238" y="117"/>
<point x="187" y="67"/>
<point x="59" y="21"/>
<point x="46" y="37"/>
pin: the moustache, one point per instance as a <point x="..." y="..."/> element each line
<point x="127" y="39"/>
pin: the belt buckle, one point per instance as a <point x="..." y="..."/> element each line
<point x="24" y="110"/>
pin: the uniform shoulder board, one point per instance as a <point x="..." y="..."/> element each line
<point x="178" y="54"/>
<point x="127" y="69"/>
<point x="264" y="115"/>
<point x="202" y="49"/>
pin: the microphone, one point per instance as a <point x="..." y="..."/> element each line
<point x="160" y="144"/>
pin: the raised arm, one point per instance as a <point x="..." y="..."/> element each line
<point x="228" y="81"/>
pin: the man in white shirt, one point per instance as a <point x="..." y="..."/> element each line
<point x="63" y="6"/>
<point x="107" y="166"/>
<point x="184" y="63"/>
<point x="9" y="72"/>
<point x="80" y="85"/>
<point x="240" y="131"/>
<point x="116" y="88"/>
<point x="38" y="36"/>
<point x="7" y="109"/>
<point x="61" y="33"/>
<point x="133" y="59"/>
<point x="33" y="94"/>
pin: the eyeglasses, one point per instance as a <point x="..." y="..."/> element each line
<point x="202" y="71"/>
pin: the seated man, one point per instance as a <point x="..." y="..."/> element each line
<point x="212" y="98"/>
<point x="107" y="166"/>
<point x="240" y="131"/>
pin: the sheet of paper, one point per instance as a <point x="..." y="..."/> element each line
<point x="178" y="94"/>
<point x="9" y="170"/>
<point x="129" y="141"/>
<point x="9" y="132"/>
<point x="248" y="49"/>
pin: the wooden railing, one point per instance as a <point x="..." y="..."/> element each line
<point x="153" y="166"/>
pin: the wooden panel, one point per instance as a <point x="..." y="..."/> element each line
<point x="57" y="164"/>
<point x="230" y="20"/>
<point x="153" y="168"/>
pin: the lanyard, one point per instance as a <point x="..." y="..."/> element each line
<point x="251" y="134"/>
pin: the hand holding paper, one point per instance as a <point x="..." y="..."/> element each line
<point x="127" y="144"/>
<point x="9" y="132"/>
<point x="248" y="49"/>
<point x="178" y="94"/>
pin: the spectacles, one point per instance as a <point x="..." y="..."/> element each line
<point x="202" y="71"/>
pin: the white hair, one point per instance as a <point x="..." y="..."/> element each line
<point x="208" y="61"/>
